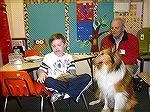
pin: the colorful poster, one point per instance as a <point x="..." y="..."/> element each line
<point x="85" y="14"/>
<point x="133" y="18"/>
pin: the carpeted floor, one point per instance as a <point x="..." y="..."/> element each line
<point x="32" y="104"/>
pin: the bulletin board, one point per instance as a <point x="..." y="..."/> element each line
<point x="133" y="18"/>
<point x="44" y="19"/>
<point x="121" y="5"/>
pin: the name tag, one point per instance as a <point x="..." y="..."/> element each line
<point x="122" y="51"/>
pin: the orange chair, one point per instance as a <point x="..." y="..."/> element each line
<point x="28" y="53"/>
<point x="19" y="83"/>
<point x="31" y="53"/>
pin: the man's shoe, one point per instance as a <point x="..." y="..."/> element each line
<point x="55" y="96"/>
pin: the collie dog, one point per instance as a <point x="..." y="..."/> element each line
<point x="114" y="82"/>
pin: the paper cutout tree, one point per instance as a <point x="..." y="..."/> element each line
<point x="97" y="25"/>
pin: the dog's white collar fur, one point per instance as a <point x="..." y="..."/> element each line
<point x="106" y="80"/>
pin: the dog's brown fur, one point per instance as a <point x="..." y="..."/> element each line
<point x="112" y="59"/>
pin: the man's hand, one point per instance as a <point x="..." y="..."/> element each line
<point x="42" y="77"/>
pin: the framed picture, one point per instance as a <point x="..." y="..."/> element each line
<point x="20" y="42"/>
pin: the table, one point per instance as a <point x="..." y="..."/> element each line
<point x="29" y="66"/>
<point x="35" y="65"/>
<point x="145" y="76"/>
<point x="143" y="57"/>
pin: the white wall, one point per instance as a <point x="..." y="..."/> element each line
<point x="16" y="18"/>
<point x="146" y="66"/>
<point x="146" y="23"/>
<point x="146" y="16"/>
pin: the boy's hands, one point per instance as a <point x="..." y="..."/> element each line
<point x="42" y="77"/>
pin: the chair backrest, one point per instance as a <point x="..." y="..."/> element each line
<point x="31" y="53"/>
<point x="16" y="83"/>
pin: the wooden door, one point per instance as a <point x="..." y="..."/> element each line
<point x="5" y="40"/>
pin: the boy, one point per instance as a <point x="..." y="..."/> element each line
<point x="57" y="63"/>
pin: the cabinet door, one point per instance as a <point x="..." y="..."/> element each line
<point x="5" y="40"/>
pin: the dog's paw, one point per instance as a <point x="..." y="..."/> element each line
<point x="94" y="102"/>
<point x="121" y="110"/>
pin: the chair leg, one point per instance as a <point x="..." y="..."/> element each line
<point x="18" y="101"/>
<point x="54" y="109"/>
<point x="85" y="103"/>
<point x="6" y="100"/>
<point x="53" y="106"/>
<point x="68" y="103"/>
<point x="42" y="103"/>
<point x="84" y="100"/>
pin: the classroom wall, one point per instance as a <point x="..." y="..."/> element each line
<point x="146" y="16"/>
<point x="146" y="23"/>
<point x="16" y="18"/>
<point x="46" y="19"/>
<point x="17" y="30"/>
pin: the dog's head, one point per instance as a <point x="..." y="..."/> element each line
<point x="108" y="57"/>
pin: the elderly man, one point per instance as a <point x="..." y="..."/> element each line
<point x="126" y="43"/>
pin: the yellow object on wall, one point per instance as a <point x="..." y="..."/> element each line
<point x="144" y="38"/>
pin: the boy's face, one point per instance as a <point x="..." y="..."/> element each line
<point x="58" y="47"/>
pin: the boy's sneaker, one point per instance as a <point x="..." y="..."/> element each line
<point x="55" y="96"/>
<point x="66" y="96"/>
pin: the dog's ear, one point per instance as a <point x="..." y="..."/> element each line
<point x="117" y="59"/>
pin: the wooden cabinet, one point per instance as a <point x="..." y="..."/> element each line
<point x="5" y="40"/>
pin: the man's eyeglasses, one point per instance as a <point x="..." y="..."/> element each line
<point x="116" y="28"/>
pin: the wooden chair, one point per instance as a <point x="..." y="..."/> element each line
<point x="18" y="84"/>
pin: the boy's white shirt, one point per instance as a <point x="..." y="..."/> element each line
<point x="57" y="65"/>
